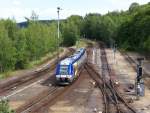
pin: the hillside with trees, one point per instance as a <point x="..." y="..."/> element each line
<point x="130" y="29"/>
<point x="19" y="46"/>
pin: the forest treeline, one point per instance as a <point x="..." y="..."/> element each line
<point x="130" y="30"/>
<point x="19" y="46"/>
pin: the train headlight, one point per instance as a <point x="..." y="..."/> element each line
<point x="68" y="76"/>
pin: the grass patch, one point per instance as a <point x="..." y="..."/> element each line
<point x="44" y="59"/>
<point x="83" y="43"/>
<point x="7" y="74"/>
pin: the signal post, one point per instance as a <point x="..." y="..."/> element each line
<point x="139" y="83"/>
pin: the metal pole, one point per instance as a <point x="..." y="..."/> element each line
<point x="58" y="9"/>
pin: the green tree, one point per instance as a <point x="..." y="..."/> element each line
<point x="22" y="58"/>
<point x="7" y="51"/>
<point x="70" y="34"/>
<point x="19" y="46"/>
<point x="147" y="45"/>
<point x="78" y="22"/>
<point x="134" y="33"/>
<point x="11" y="28"/>
<point x="133" y="7"/>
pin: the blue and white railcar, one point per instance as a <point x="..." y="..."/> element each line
<point x="67" y="69"/>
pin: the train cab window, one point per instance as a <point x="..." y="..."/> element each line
<point x="63" y="70"/>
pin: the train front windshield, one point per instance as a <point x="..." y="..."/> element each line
<point x="64" y="70"/>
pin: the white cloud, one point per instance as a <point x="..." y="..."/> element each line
<point x="20" y="13"/>
<point x="19" y="10"/>
<point x="50" y="13"/>
<point x="16" y="2"/>
<point x="16" y="13"/>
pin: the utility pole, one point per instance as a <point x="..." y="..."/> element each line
<point x="58" y="10"/>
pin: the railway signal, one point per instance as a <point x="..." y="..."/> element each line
<point x="139" y="80"/>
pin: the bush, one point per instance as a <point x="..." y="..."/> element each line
<point x="4" y="107"/>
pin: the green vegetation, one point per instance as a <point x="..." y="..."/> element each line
<point x="44" y="59"/>
<point x="134" y="34"/>
<point x="129" y="29"/>
<point x="19" y="46"/>
<point x="24" y="47"/>
<point x="83" y="43"/>
<point x="71" y="30"/>
<point x="4" y="107"/>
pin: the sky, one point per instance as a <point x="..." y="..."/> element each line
<point x="47" y="9"/>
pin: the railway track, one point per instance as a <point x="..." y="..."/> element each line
<point x="47" y="98"/>
<point x="113" y="101"/>
<point x="29" y="78"/>
<point x="133" y="63"/>
<point x="26" y="81"/>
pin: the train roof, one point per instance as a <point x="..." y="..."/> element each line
<point x="73" y="58"/>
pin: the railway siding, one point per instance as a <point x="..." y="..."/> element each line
<point x="80" y="96"/>
<point x="126" y="75"/>
<point x="100" y="88"/>
<point x="20" y="90"/>
<point x="143" y="105"/>
<point x="113" y="101"/>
